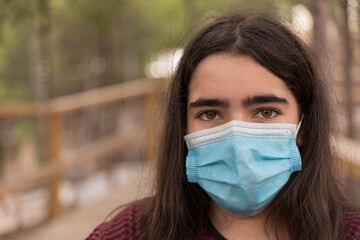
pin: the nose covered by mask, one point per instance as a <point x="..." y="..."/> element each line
<point x="242" y="166"/>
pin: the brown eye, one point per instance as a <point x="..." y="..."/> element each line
<point x="267" y="113"/>
<point x="210" y="115"/>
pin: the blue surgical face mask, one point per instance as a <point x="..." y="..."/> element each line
<point x="242" y="166"/>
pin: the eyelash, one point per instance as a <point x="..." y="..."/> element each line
<point x="273" y="111"/>
<point x="202" y="114"/>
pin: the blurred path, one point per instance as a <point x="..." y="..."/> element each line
<point x="79" y="222"/>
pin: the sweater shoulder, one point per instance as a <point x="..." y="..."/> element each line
<point x="352" y="224"/>
<point x="125" y="225"/>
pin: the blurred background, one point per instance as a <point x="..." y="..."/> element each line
<point x="82" y="85"/>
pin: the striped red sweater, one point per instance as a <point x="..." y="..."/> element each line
<point x="125" y="226"/>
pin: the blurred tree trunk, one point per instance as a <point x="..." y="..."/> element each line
<point x="358" y="11"/>
<point x="130" y="49"/>
<point x="39" y="52"/>
<point x="348" y="62"/>
<point x="40" y="65"/>
<point x="320" y="13"/>
<point x="131" y="61"/>
<point x="190" y="10"/>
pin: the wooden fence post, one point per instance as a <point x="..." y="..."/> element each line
<point x="153" y="110"/>
<point x="53" y="140"/>
<point x="150" y="108"/>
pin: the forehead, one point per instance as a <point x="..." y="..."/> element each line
<point x="234" y="76"/>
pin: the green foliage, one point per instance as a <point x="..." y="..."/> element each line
<point x="122" y="35"/>
<point x="25" y="129"/>
<point x="14" y="68"/>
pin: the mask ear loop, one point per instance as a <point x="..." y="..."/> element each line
<point x="299" y="125"/>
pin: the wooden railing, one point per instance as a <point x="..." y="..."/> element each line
<point x="53" y="111"/>
<point x="59" y="164"/>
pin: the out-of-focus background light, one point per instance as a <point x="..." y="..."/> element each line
<point x="302" y="19"/>
<point x="164" y="64"/>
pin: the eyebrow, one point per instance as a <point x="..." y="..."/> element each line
<point x="215" y="102"/>
<point x="210" y="102"/>
<point x="263" y="99"/>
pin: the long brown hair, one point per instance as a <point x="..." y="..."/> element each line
<point x="310" y="204"/>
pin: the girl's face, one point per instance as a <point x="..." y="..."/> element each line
<point x="225" y="87"/>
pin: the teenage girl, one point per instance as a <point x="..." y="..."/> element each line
<point x="245" y="151"/>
